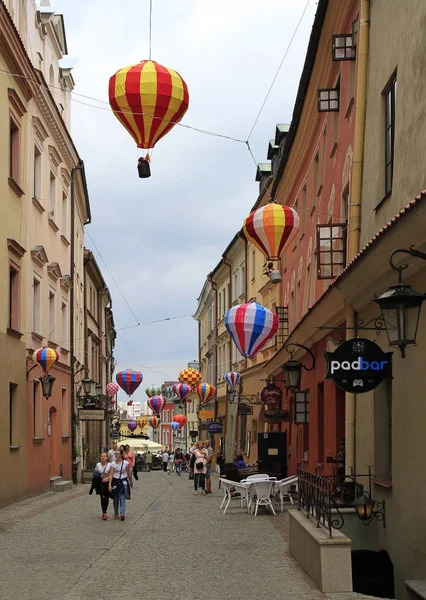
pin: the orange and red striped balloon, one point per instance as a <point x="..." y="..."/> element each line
<point x="270" y="227"/>
<point x="148" y="100"/>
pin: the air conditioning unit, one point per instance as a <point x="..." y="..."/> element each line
<point x="275" y="277"/>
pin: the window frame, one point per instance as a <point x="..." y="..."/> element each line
<point x="301" y="400"/>
<point x="331" y="251"/>
<point x="390" y="92"/>
<point x="14" y="308"/>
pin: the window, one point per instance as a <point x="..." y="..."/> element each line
<point x="13" y="297"/>
<point x="37" y="410"/>
<point x="36" y="305"/>
<point x="65" y="214"/>
<point x="331" y="250"/>
<point x="242" y="280"/>
<point x="64" y="325"/>
<point x="52" y="196"/>
<point x="301" y="407"/>
<point x="13" y="150"/>
<point x="65" y="413"/>
<point x="52" y="314"/>
<point x="390" y="100"/>
<point x="253" y="265"/>
<point x="328" y="100"/>
<point x="343" y="47"/>
<point x="235" y="291"/>
<point x="12" y="413"/>
<point x="282" y="333"/>
<point x="37" y="172"/>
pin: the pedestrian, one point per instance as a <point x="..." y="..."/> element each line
<point x="165" y="460"/>
<point x="148" y="461"/>
<point x="100" y="483"/>
<point x="239" y="461"/>
<point x="209" y="450"/>
<point x="120" y="482"/>
<point x="111" y="453"/>
<point x="178" y="461"/>
<point x="170" y="464"/>
<point x="200" y="469"/>
<point x="130" y="457"/>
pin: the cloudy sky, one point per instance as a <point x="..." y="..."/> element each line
<point x="160" y="237"/>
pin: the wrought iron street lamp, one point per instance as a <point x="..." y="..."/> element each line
<point x="98" y="390"/>
<point x="87" y="385"/>
<point x="47" y="382"/>
<point x="367" y="509"/>
<point x="401" y="306"/>
<point x="293" y="368"/>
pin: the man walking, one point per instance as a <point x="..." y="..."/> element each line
<point x="148" y="461"/>
<point x="111" y="453"/>
<point x="178" y="461"/>
<point x="209" y="450"/>
<point x="165" y="460"/>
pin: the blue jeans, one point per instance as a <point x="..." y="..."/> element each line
<point x="179" y="468"/>
<point x="120" y="499"/>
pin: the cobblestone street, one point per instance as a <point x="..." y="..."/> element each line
<point x="171" y="545"/>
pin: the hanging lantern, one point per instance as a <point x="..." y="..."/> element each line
<point x="205" y="391"/>
<point x="251" y="326"/>
<point x="46" y="357"/>
<point x="190" y="376"/>
<point x="156" y="404"/>
<point x="129" y="380"/>
<point x="153" y="390"/>
<point x="232" y="379"/>
<point x="180" y="419"/>
<point x="111" y="389"/>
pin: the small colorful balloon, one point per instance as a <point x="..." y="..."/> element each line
<point x="250" y="326"/>
<point x="129" y="380"/>
<point x="232" y="379"/>
<point x="154" y="422"/>
<point x="132" y="425"/>
<point x="180" y="419"/>
<point x="156" y="404"/>
<point x="182" y="390"/>
<point x="153" y="390"/>
<point x="111" y="389"/>
<point x="46" y="357"/>
<point x="190" y="376"/>
<point x="271" y="227"/>
<point x="141" y="422"/>
<point x="174" y="425"/>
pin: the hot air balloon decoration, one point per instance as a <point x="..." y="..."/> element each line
<point x="180" y="419"/>
<point x="46" y="357"/>
<point x="141" y="423"/>
<point x="152" y="390"/>
<point x="232" y="379"/>
<point x="270" y="227"/>
<point x="154" y="422"/>
<point x="250" y="326"/>
<point x="148" y="100"/>
<point x="130" y="403"/>
<point x="129" y="380"/>
<point x="205" y="391"/>
<point x="174" y="425"/>
<point x="111" y="389"/>
<point x="190" y="376"/>
<point x="132" y="426"/>
<point x="182" y="390"/>
<point x="156" y="403"/>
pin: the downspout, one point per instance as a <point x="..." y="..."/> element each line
<point x="214" y="288"/>
<point x="225" y="421"/>
<point x="355" y="208"/>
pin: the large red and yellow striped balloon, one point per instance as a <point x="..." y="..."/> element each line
<point x="148" y="100"/>
<point x="270" y="227"/>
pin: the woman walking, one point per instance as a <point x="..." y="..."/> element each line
<point x="101" y="474"/>
<point x="200" y="468"/>
<point x="130" y="457"/>
<point x="120" y="478"/>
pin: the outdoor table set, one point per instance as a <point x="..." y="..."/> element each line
<point x="258" y="490"/>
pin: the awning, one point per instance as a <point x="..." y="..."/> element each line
<point x="142" y="444"/>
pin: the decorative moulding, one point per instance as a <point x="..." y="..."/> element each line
<point x="66" y="282"/>
<point x="16" y="102"/>
<point x="15" y="248"/>
<point x="39" y="256"/>
<point x="39" y="129"/>
<point x="54" y="270"/>
<point x="54" y="156"/>
<point x="66" y="177"/>
<point x="39" y="206"/>
<point x="53" y="225"/>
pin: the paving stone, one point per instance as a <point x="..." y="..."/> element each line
<point x="171" y="545"/>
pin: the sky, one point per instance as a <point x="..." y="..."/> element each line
<point x="156" y="239"/>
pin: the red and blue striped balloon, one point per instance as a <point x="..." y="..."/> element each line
<point x="182" y="390"/>
<point x="156" y="404"/>
<point x="129" y="380"/>
<point x="251" y="326"/>
<point x="232" y="379"/>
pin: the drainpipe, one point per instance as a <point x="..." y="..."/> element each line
<point x="214" y="287"/>
<point x="355" y="207"/>
<point x="225" y="420"/>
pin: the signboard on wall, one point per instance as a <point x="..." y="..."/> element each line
<point x="215" y="427"/>
<point x="271" y="396"/>
<point x="206" y="414"/>
<point x="358" y="366"/>
<point x="91" y="414"/>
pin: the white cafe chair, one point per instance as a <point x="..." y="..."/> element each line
<point x="282" y="489"/>
<point x="262" y="495"/>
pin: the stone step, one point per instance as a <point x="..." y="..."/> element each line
<point x="55" y="479"/>
<point x="62" y="486"/>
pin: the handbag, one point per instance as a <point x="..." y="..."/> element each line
<point x="199" y="466"/>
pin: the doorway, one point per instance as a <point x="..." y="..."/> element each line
<point x="272" y="453"/>
<point x="53" y="442"/>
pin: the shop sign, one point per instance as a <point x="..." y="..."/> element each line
<point x="215" y="427"/>
<point x="206" y="414"/>
<point x="115" y="435"/>
<point x="91" y="414"/>
<point x="271" y="396"/>
<point x="245" y="409"/>
<point x="358" y="366"/>
<point x="193" y="433"/>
